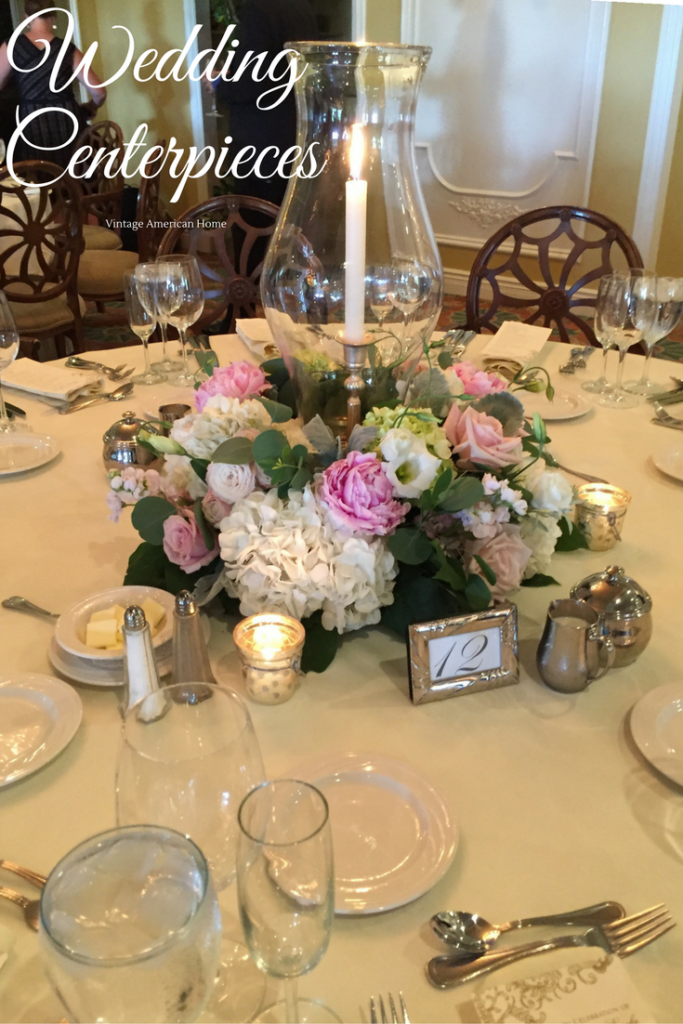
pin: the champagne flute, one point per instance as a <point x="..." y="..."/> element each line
<point x="629" y="312"/>
<point x="130" y="928"/>
<point x="607" y="283"/>
<point x="189" y="768"/>
<point x="285" y="887"/>
<point x="142" y="323"/>
<point x="146" y="275"/>
<point x="9" y="346"/>
<point x="180" y="297"/>
<point x="668" y="316"/>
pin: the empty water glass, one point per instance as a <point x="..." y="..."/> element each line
<point x="142" y="323"/>
<point x="130" y="928"/>
<point x="180" y="298"/>
<point x="9" y="346"/>
<point x="605" y="290"/>
<point x="668" y="316"/>
<point x="628" y="314"/>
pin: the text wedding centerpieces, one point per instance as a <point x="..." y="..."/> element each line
<point x="367" y="476"/>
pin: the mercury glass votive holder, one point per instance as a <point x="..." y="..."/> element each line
<point x="270" y="647"/>
<point x="600" y="511"/>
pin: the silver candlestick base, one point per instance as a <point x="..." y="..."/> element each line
<point x="355" y="356"/>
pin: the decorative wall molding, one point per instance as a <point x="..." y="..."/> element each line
<point x="487" y="211"/>
<point x="492" y="193"/>
<point x="359" y="13"/>
<point x="661" y="133"/>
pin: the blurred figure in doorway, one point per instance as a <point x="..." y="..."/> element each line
<point x="46" y="138"/>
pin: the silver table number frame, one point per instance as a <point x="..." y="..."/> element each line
<point x="464" y="654"/>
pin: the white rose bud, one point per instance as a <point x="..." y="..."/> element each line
<point x="231" y="482"/>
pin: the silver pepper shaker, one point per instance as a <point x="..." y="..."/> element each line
<point x="140" y="675"/>
<point x="190" y="656"/>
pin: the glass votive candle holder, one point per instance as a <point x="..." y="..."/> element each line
<point x="269" y="647"/>
<point x="600" y="511"/>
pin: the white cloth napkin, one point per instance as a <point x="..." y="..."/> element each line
<point x="258" y="337"/>
<point x="49" y="380"/>
<point x="516" y="342"/>
<point x="597" y="990"/>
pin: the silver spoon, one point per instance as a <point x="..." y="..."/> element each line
<point x="113" y="372"/>
<point x="106" y="396"/>
<point x="475" y="934"/>
<point x="31" y="908"/>
<point x="22" y="604"/>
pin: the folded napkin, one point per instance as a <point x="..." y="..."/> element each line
<point x="598" y="991"/>
<point x="258" y="337"/>
<point x="50" y="381"/>
<point x="515" y="344"/>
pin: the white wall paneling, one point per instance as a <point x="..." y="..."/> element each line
<point x="508" y="113"/>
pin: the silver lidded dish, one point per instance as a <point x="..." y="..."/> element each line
<point x="121" y="445"/>
<point x="625" y="608"/>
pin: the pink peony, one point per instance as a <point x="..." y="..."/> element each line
<point x="239" y="380"/>
<point x="214" y="508"/>
<point x="477" y="437"/>
<point x="184" y="544"/>
<point x="477" y="382"/>
<point x="359" y="495"/>
<point x="506" y="554"/>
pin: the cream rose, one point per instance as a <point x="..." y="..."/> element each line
<point x="230" y="482"/>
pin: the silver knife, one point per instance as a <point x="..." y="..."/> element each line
<point x="671" y="426"/>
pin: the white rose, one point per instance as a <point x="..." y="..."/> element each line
<point x="540" y="534"/>
<point x="409" y="466"/>
<point x="179" y="477"/>
<point x="552" y="492"/>
<point x="231" y="482"/>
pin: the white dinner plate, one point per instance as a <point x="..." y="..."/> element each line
<point x="670" y="462"/>
<point x="657" y="728"/>
<point x="563" y="406"/>
<point x="21" y="452"/>
<point x="392" y="832"/>
<point x="39" y="716"/>
<point x="73" y="667"/>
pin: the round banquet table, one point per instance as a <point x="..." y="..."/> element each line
<point x="555" y="806"/>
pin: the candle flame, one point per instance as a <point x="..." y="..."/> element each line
<point x="357" y="151"/>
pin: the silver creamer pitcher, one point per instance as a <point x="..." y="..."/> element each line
<point x="569" y="654"/>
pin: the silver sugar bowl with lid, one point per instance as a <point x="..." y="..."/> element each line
<point x="121" y="445"/>
<point x="624" y="607"/>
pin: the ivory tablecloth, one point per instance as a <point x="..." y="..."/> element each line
<point x="555" y="806"/>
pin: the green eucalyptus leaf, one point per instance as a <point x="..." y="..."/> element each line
<point x="302" y="477"/>
<point x="477" y="593"/>
<point x="200" y="467"/>
<point x="489" y="574"/>
<point x="571" y="539"/>
<point x="445" y="360"/>
<point x="321" y="644"/>
<point x="149" y="516"/>
<point x="270" y="444"/>
<point x="278" y="412"/>
<point x="463" y="493"/>
<point x="236" y="451"/>
<point x="539" y="580"/>
<point x="208" y="536"/>
<point x="410" y="546"/>
<point x="146" y="567"/>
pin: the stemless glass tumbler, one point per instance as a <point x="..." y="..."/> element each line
<point x="130" y="928"/>
<point x="285" y="886"/>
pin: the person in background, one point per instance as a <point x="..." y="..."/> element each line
<point x="264" y="25"/>
<point x="47" y="135"/>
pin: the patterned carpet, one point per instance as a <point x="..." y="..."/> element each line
<point x="452" y="315"/>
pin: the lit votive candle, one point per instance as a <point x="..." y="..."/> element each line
<point x="600" y="512"/>
<point x="270" y="648"/>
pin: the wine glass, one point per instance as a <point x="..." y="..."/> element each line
<point x="380" y="281"/>
<point x="143" y="324"/>
<point x="189" y="768"/>
<point x="668" y="316"/>
<point x="412" y="283"/>
<point x="285" y="887"/>
<point x="180" y="297"/>
<point x="130" y="927"/>
<point x="607" y="284"/>
<point x="9" y="346"/>
<point x="147" y="275"/>
<point x="629" y="312"/>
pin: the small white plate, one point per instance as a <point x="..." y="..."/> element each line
<point x="70" y="627"/>
<point x="657" y="728"/>
<point x="39" y="716"/>
<point x="21" y="452"/>
<point x="73" y="667"/>
<point x="670" y="463"/>
<point x="392" y="832"/>
<point x="563" y="406"/>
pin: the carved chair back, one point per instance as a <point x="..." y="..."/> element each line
<point x="103" y="189"/>
<point x="559" y="270"/>
<point x="153" y="221"/>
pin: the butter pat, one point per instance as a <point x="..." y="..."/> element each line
<point x="154" y="613"/>
<point x="102" y="633"/>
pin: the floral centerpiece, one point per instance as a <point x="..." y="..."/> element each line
<point x="444" y="501"/>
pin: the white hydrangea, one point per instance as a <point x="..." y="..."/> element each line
<point x="540" y="533"/>
<point x="285" y="555"/>
<point x="551" y="490"/>
<point x="179" y="478"/>
<point x="200" y="433"/>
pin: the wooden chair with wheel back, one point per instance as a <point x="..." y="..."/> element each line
<point x="553" y="274"/>
<point x="229" y="236"/>
<point x="103" y="189"/>
<point x="40" y="248"/>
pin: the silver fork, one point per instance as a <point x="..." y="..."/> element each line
<point x="665" y="419"/>
<point x="112" y="372"/>
<point x="395" y="1019"/>
<point x="623" y="937"/>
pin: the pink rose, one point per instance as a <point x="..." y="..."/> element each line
<point x="214" y="508"/>
<point x="359" y="495"/>
<point x="184" y="544"/>
<point x="506" y="554"/>
<point x="477" y="437"/>
<point x="239" y="380"/>
<point x="477" y="382"/>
